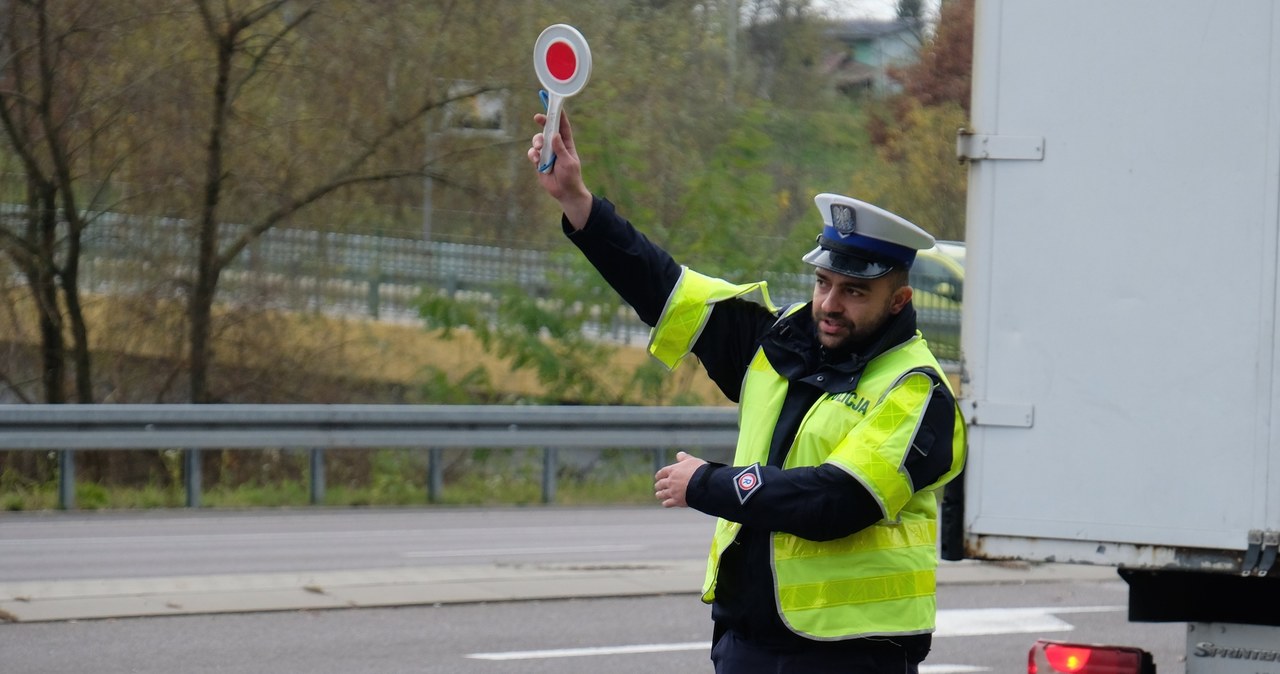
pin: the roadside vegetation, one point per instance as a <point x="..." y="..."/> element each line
<point x="711" y="124"/>
<point x="387" y="477"/>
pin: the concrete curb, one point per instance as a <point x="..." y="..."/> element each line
<point x="42" y="601"/>
<point x="187" y="595"/>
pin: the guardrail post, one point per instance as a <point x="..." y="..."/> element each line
<point x="435" y="475"/>
<point x="549" y="474"/>
<point x="659" y="459"/>
<point x="317" y="476"/>
<point x="66" y="479"/>
<point x="192" y="475"/>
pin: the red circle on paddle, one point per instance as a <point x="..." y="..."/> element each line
<point x="562" y="60"/>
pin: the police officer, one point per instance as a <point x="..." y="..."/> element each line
<point x="824" y="553"/>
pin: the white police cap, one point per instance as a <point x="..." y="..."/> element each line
<point x="862" y="240"/>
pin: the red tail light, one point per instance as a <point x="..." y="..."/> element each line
<point x="1056" y="657"/>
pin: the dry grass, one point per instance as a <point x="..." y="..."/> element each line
<point x="319" y="347"/>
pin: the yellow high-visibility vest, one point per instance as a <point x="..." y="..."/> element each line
<point x="878" y="581"/>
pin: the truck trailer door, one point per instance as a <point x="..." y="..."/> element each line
<point x="1120" y="369"/>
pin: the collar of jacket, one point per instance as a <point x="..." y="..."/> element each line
<point x="794" y="351"/>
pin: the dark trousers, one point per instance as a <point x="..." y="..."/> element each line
<point x="732" y="654"/>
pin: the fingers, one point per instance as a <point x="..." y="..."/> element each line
<point x="662" y="492"/>
<point x="565" y="130"/>
<point x="557" y="146"/>
<point x="669" y="490"/>
<point x="539" y="140"/>
<point x="536" y="143"/>
<point x="561" y="142"/>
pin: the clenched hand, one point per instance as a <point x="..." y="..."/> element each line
<point x="671" y="483"/>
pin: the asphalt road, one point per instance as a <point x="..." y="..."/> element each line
<point x="988" y="617"/>
<point x="638" y="635"/>
<point x="65" y="546"/>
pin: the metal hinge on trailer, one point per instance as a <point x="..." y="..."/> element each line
<point x="973" y="146"/>
<point x="1260" y="556"/>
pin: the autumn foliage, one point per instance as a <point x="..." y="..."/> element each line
<point x="913" y="132"/>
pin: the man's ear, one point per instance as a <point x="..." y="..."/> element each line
<point x="900" y="298"/>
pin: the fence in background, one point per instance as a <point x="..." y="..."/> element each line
<point x="379" y="277"/>
<point x="192" y="428"/>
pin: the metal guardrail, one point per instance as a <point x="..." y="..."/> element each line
<point x="66" y="428"/>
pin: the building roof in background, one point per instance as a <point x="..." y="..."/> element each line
<point x="872" y="46"/>
<point x="850" y="30"/>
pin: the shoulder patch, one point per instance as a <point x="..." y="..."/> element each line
<point x="748" y="482"/>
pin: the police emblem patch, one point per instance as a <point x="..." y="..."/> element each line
<point x="747" y="482"/>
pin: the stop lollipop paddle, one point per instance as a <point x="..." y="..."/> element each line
<point x="562" y="60"/>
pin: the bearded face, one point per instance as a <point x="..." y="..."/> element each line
<point x="848" y="311"/>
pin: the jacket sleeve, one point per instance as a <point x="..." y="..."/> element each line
<point x="831" y="501"/>
<point x="644" y="276"/>
<point x="642" y="273"/>
<point x="729" y="341"/>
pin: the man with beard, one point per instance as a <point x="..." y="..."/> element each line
<point x="824" y="554"/>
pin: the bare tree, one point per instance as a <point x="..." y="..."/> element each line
<point x="52" y="117"/>
<point x="248" y="44"/>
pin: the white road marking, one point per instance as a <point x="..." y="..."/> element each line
<point x="486" y="552"/>
<point x="599" y="650"/>
<point x="951" y="623"/>
<point x="668" y="648"/>
<point x="993" y="621"/>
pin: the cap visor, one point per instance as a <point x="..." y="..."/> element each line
<point x="849" y="265"/>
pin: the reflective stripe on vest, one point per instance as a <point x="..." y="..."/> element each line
<point x="687" y="310"/>
<point x="878" y="581"/>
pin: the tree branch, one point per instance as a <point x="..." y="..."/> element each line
<point x="13" y="388"/>
<point x="19" y="244"/>
<point x="314" y="195"/>
<point x="261" y="55"/>
<point x="347" y="175"/>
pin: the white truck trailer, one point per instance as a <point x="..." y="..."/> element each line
<point x="1121" y="351"/>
